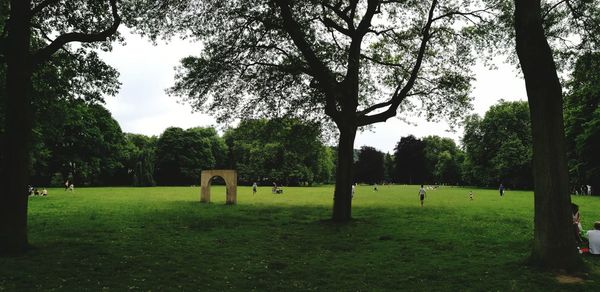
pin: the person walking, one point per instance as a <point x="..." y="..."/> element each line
<point x="501" y="189"/>
<point x="422" y="195"/>
<point x="254" y="186"/>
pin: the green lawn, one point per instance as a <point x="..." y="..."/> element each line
<point x="164" y="239"/>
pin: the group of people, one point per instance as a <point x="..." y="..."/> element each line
<point x="582" y="190"/>
<point x="69" y="186"/>
<point x="274" y="190"/>
<point x="33" y="191"/>
<point x="591" y="237"/>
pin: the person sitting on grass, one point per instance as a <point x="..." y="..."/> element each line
<point x="576" y="222"/>
<point x="594" y="239"/>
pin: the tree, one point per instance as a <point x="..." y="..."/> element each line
<point x="390" y="171"/>
<point x="181" y="155"/>
<point x="27" y="20"/>
<point x="498" y="147"/>
<point x="55" y="87"/>
<point x="355" y="62"/>
<point x="285" y="151"/>
<point x="140" y="158"/>
<point x="409" y="158"/>
<point x="441" y="160"/>
<point x="88" y="145"/>
<point x="582" y="122"/>
<point x="370" y="166"/>
<point x="554" y="240"/>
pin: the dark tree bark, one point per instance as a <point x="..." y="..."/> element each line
<point x="21" y="61"/>
<point x="13" y="197"/>
<point x="342" y="198"/>
<point x="554" y="240"/>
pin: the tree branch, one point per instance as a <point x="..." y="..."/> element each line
<point x="322" y="74"/>
<point x="381" y="62"/>
<point x="351" y="79"/>
<point x="343" y="14"/>
<point x="552" y="8"/>
<point x="400" y="94"/>
<point x="46" y="52"/>
<point x="464" y="14"/>
<point x="329" y="23"/>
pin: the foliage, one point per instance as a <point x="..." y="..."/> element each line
<point x="181" y="155"/>
<point x="251" y="65"/>
<point x="582" y="122"/>
<point x="442" y="160"/>
<point x="409" y="156"/>
<point x="390" y="171"/>
<point x="285" y="151"/>
<point x="73" y="137"/>
<point x="78" y="141"/>
<point x="499" y="147"/>
<point x="140" y="159"/>
<point x="55" y="90"/>
<point x="369" y="168"/>
<point x="571" y="29"/>
<point x="55" y="24"/>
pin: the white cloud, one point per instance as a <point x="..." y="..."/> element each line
<point x="142" y="106"/>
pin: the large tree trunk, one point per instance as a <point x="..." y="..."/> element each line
<point x="13" y="196"/>
<point x="554" y="240"/>
<point x="342" y="198"/>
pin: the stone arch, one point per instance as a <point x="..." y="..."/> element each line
<point x="230" y="177"/>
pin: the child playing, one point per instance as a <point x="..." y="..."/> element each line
<point x="422" y="195"/>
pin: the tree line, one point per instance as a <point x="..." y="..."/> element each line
<point x="79" y="141"/>
<point x="82" y="143"/>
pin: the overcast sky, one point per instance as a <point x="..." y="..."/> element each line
<point x="143" y="107"/>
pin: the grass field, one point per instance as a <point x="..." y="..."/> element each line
<point x="164" y="239"/>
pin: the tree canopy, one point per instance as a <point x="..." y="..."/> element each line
<point x="443" y="160"/>
<point x="370" y="166"/>
<point x="285" y="151"/>
<point x="409" y="156"/>
<point x="182" y="154"/>
<point x="582" y="122"/>
<point x="498" y="147"/>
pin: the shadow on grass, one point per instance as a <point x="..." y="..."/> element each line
<point x="188" y="245"/>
